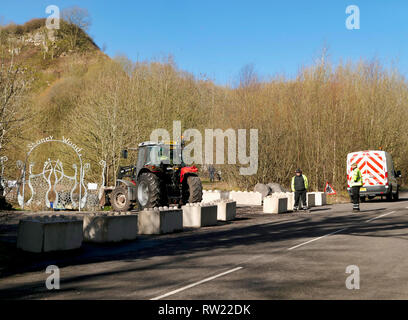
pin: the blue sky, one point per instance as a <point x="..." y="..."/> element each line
<point x="217" y="38"/>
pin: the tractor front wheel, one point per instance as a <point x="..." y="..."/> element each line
<point x="119" y="199"/>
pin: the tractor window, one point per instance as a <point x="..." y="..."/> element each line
<point x="140" y="158"/>
<point x="153" y="156"/>
<point x="170" y="155"/>
<point x="161" y="154"/>
<point x="164" y="155"/>
<point x="176" y="155"/>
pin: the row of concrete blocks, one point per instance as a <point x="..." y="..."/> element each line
<point x="256" y="199"/>
<point x="44" y="234"/>
<point x="240" y="197"/>
<point x="284" y="201"/>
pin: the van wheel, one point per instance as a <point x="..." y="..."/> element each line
<point x="396" y="195"/>
<point x="389" y="195"/>
<point x="363" y="199"/>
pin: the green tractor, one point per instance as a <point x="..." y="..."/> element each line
<point x="159" y="178"/>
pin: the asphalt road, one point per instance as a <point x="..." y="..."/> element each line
<point x="258" y="256"/>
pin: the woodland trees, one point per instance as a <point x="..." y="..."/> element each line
<point x="310" y="121"/>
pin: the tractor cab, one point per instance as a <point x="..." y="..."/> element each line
<point x="152" y="155"/>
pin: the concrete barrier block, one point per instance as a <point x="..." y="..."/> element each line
<point x="320" y="198"/>
<point x="171" y="220"/>
<point x="45" y="234"/>
<point x="226" y="210"/>
<point x="199" y="215"/>
<point x="291" y="200"/>
<point x="110" y="227"/>
<point x="214" y="195"/>
<point x="65" y="235"/>
<point x="246" y="198"/>
<point x="211" y="195"/>
<point x="30" y="236"/>
<point x="310" y="199"/>
<point x="275" y="204"/>
<point x="289" y="195"/>
<point x="160" y="220"/>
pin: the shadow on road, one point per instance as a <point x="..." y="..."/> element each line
<point x="319" y="209"/>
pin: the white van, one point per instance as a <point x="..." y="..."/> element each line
<point x="379" y="175"/>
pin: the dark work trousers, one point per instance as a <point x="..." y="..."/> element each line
<point x="355" y="195"/>
<point x="300" y="195"/>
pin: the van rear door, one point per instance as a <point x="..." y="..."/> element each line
<point x="371" y="165"/>
<point x="375" y="168"/>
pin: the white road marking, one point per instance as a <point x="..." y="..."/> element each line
<point x="315" y="239"/>
<point x="196" y="283"/>
<point x="383" y="215"/>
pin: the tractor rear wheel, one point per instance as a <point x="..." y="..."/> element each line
<point x="119" y="199"/>
<point x="192" y="190"/>
<point x="149" y="193"/>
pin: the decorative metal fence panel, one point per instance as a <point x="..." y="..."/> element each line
<point x="54" y="188"/>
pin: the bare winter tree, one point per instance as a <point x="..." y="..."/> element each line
<point x="247" y="76"/>
<point x="14" y="83"/>
<point x="77" y="16"/>
<point x="76" y="20"/>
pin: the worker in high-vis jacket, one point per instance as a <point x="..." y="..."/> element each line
<point x="356" y="184"/>
<point x="299" y="187"/>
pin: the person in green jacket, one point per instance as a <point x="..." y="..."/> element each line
<point x="299" y="187"/>
<point x="356" y="184"/>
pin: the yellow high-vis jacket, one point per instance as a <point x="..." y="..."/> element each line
<point x="304" y="179"/>
<point x="356" y="178"/>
